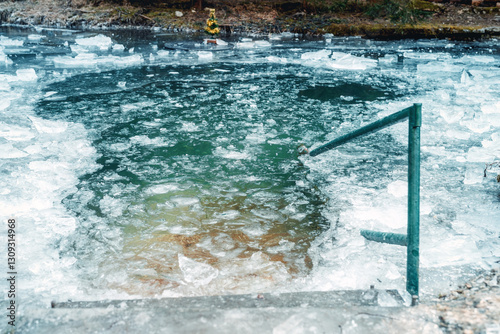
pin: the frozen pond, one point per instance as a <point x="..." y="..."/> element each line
<point x="148" y="165"/>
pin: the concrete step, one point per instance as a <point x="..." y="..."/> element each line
<point x="326" y="299"/>
<point x="357" y="311"/>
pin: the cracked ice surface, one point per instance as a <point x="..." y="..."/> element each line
<point x="164" y="167"/>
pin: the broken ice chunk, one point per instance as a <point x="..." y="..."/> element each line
<point x="350" y="62"/>
<point x="316" y="55"/>
<point x="491" y="108"/>
<point x="398" y="188"/>
<point x="455" y="250"/>
<point x="196" y="273"/>
<point x="5" y="41"/>
<point x="163" y="54"/>
<point x="4" y="104"/>
<point x="451" y="115"/>
<point x="458" y="134"/>
<point x="245" y="45"/>
<point x="48" y="126"/>
<point x="28" y="74"/>
<point x="7" y="151"/>
<point x="100" y="42"/>
<point x="35" y="37"/>
<point x="473" y="176"/>
<point x="205" y="55"/>
<point x="185" y="201"/>
<point x="118" y="47"/>
<point x="4" y="58"/>
<point x="466" y="77"/>
<point x="262" y="44"/>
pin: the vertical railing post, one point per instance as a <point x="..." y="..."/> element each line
<point x="413" y="250"/>
<point x="412" y="239"/>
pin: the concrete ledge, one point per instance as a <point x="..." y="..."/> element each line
<point x="357" y="311"/>
<point x="321" y="299"/>
<point x="361" y="319"/>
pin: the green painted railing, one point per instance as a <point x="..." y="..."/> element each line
<point x="411" y="239"/>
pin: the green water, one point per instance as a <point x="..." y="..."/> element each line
<point x="202" y="161"/>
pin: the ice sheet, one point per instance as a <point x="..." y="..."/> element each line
<point x="180" y="167"/>
<point x="93" y="60"/>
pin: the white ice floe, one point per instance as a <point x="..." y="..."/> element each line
<point x="189" y="127"/>
<point x="47" y="126"/>
<point x="28" y="74"/>
<point x="388" y="59"/>
<point x="4" y="58"/>
<point x="118" y="47"/>
<point x="205" y="55"/>
<point x="47" y="159"/>
<point x="274" y="59"/>
<point x="398" y="188"/>
<point x="477" y="59"/>
<point x="489" y="150"/>
<point x="16" y="133"/>
<point x="163" y="188"/>
<point x="4" y="103"/>
<point x="457" y="250"/>
<point x="163" y="54"/>
<point x="5" y="41"/>
<point x="336" y="60"/>
<point x="247" y="43"/>
<point x="493" y="108"/>
<point x="98" y="42"/>
<point x="35" y="37"/>
<point x="83" y="60"/>
<point x="196" y="273"/>
<point x="4" y="86"/>
<point x="185" y="201"/>
<point x="232" y="153"/>
<point x="316" y="55"/>
<point x="438" y="68"/>
<point x="349" y="62"/>
<point x="22" y="75"/>
<point x="111" y="206"/>
<point x="8" y="151"/>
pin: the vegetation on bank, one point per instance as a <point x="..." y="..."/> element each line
<point x="403" y="11"/>
<point x="371" y="18"/>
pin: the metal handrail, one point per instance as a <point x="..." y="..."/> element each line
<point x="411" y="239"/>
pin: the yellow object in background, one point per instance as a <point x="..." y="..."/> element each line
<point x="212" y="27"/>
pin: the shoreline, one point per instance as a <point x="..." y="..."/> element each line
<point x="459" y="23"/>
<point x="384" y="33"/>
